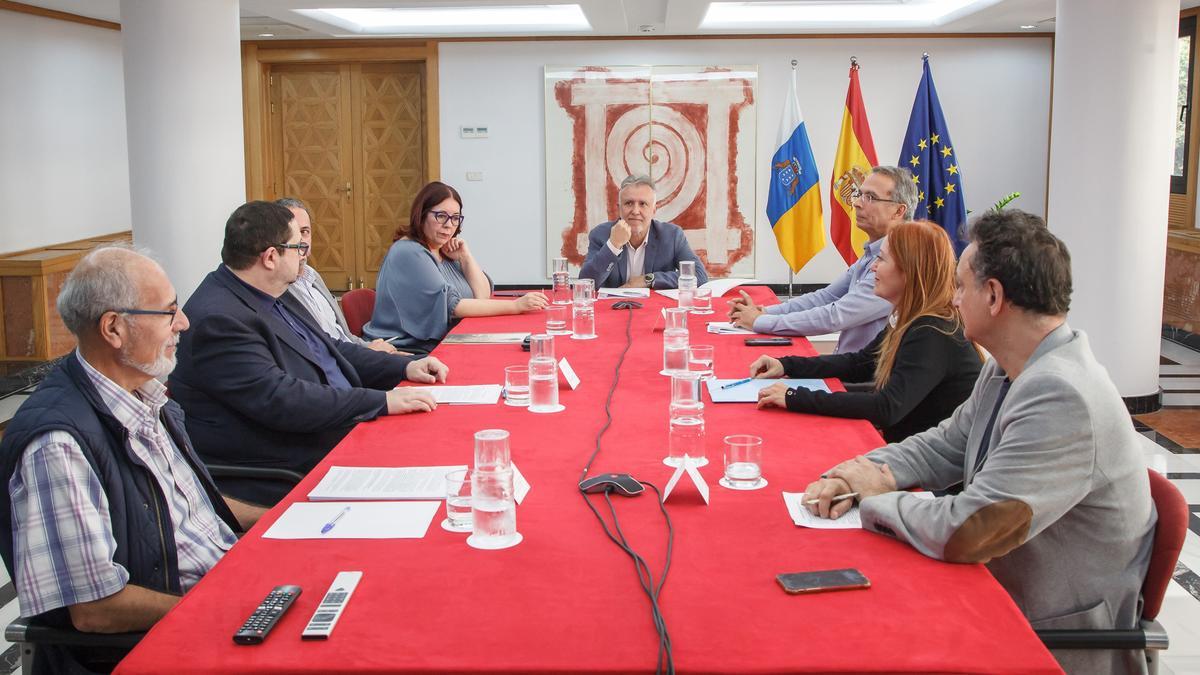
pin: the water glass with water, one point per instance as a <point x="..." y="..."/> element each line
<point x="543" y="374"/>
<point x="702" y="301"/>
<point x="743" y="462"/>
<point x="686" y="283"/>
<point x="458" y="501"/>
<point x="516" y="386"/>
<point x="556" y="319"/>
<point x="700" y="360"/>
<point x="686" y="438"/>
<point x="583" y="321"/>
<point x="493" y="510"/>
<point x="675" y="341"/>
<point x="492" y="451"/>
<point x="584" y="292"/>
<point x="560" y="292"/>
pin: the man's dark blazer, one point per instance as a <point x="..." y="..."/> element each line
<point x="253" y="394"/>
<point x="666" y="245"/>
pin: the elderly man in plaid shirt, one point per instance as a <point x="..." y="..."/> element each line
<point x="109" y="517"/>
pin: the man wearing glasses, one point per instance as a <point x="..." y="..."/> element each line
<point x="109" y="516"/>
<point x="886" y="197"/>
<point x="261" y="383"/>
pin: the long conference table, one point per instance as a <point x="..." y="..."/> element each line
<point x="566" y="599"/>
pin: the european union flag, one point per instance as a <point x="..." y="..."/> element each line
<point x="929" y="154"/>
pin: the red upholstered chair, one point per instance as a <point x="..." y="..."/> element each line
<point x="1169" y="534"/>
<point x="358" y="305"/>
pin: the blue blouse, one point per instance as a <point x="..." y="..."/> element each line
<point x="415" y="297"/>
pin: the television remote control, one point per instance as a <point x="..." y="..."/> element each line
<point x="263" y="618"/>
<point x="321" y="624"/>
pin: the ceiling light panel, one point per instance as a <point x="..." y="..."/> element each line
<point x="832" y="14"/>
<point x="455" y="20"/>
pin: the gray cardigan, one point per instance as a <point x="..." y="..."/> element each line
<point x="1060" y="509"/>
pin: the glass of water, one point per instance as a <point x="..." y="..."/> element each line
<point x="491" y="451"/>
<point x="543" y="375"/>
<point x="700" y="360"/>
<point x="743" y="463"/>
<point x="516" y="385"/>
<point x="583" y="321"/>
<point x="493" y="510"/>
<point x="458" y="501"/>
<point x="556" y="320"/>
<point x="702" y="301"/>
<point x="675" y="341"/>
<point x="560" y="292"/>
<point x="686" y="436"/>
<point x="584" y="292"/>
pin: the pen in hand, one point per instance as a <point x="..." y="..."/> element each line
<point x="329" y="526"/>
<point x="848" y="495"/>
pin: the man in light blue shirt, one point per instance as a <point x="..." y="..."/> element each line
<point x="887" y="196"/>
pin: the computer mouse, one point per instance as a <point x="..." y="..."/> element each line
<point x="620" y="483"/>
<point x="627" y="304"/>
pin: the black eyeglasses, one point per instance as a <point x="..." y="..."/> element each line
<point x="441" y="217"/>
<point x="302" y="247"/>
<point x="867" y="197"/>
<point x="152" y="312"/>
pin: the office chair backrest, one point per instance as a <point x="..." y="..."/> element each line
<point x="1169" y="534"/>
<point x="358" y="305"/>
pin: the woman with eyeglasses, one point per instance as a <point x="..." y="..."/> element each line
<point x="922" y="364"/>
<point x="429" y="279"/>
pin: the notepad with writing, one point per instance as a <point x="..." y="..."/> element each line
<point x="382" y="483"/>
<point x="748" y="391"/>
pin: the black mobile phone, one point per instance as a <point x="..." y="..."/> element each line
<point x="768" y="341"/>
<point x="823" y="580"/>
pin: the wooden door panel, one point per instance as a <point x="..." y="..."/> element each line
<point x="391" y="168"/>
<point x="315" y="159"/>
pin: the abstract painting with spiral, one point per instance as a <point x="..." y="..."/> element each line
<point x="690" y="128"/>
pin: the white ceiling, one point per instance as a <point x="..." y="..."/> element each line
<point x="608" y="17"/>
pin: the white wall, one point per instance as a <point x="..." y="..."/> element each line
<point x="64" y="170"/>
<point x="995" y="93"/>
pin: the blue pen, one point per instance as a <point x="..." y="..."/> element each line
<point x="734" y="384"/>
<point x="329" y="526"/>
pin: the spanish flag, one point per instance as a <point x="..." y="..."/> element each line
<point x="794" y="197"/>
<point x="853" y="161"/>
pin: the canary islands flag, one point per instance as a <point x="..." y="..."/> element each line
<point x="853" y="161"/>
<point x="929" y="154"/>
<point x="794" y="197"/>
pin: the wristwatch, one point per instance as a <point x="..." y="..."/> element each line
<point x="649" y="279"/>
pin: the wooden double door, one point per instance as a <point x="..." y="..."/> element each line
<point x="349" y="140"/>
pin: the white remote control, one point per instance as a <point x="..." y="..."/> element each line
<point x="321" y="624"/>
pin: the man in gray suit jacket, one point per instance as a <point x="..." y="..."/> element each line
<point x="638" y="251"/>
<point x="310" y="289"/>
<point x="1056" y="499"/>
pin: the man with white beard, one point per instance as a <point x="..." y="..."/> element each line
<point x="109" y="516"/>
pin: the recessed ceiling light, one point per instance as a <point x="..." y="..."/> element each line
<point x="824" y="13"/>
<point x="1028" y="26"/>
<point x="266" y="35"/>
<point x="482" y="19"/>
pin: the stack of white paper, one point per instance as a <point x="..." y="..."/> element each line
<point x="609" y="293"/>
<point x="472" y="394"/>
<point x="354" y="520"/>
<point x="383" y="482"/>
<point x="723" y="327"/>
<point x="719" y="287"/>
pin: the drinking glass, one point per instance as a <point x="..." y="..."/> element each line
<point x="700" y="360"/>
<point x="583" y="321"/>
<point x="675" y="341"/>
<point x="702" y="301"/>
<point x="491" y="451"/>
<point x="743" y="463"/>
<point x="584" y="291"/>
<point x="556" y="320"/>
<point x="541" y="345"/>
<point x="560" y="292"/>
<point x="493" y="510"/>
<point x="458" y="501"/>
<point x="686" y="436"/>
<point x="543" y="375"/>
<point x="516" y="385"/>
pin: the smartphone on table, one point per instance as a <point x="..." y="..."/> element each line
<point x="823" y="580"/>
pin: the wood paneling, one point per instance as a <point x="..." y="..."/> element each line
<point x="55" y="14"/>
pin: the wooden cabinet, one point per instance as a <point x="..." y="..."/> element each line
<point x="30" y="329"/>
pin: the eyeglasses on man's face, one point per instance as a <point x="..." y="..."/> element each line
<point x="867" y="197"/>
<point x="455" y="219"/>
<point x="149" y="312"/>
<point x="302" y="247"/>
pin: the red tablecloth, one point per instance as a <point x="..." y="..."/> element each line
<point x="566" y="599"/>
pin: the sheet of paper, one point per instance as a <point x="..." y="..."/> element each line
<point x="608" y="293"/>
<point x="383" y="482"/>
<point x="466" y="394"/>
<point x="687" y="467"/>
<point x="363" y="520"/>
<point x="724" y="327"/>
<point x="568" y="373"/>
<point x="484" y="338"/>
<point x="850" y="520"/>
<point x="748" y="392"/>
<point x="719" y="287"/>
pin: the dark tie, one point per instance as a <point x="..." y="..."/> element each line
<point x="987" y="432"/>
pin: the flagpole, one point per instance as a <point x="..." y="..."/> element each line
<point x="791" y="291"/>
